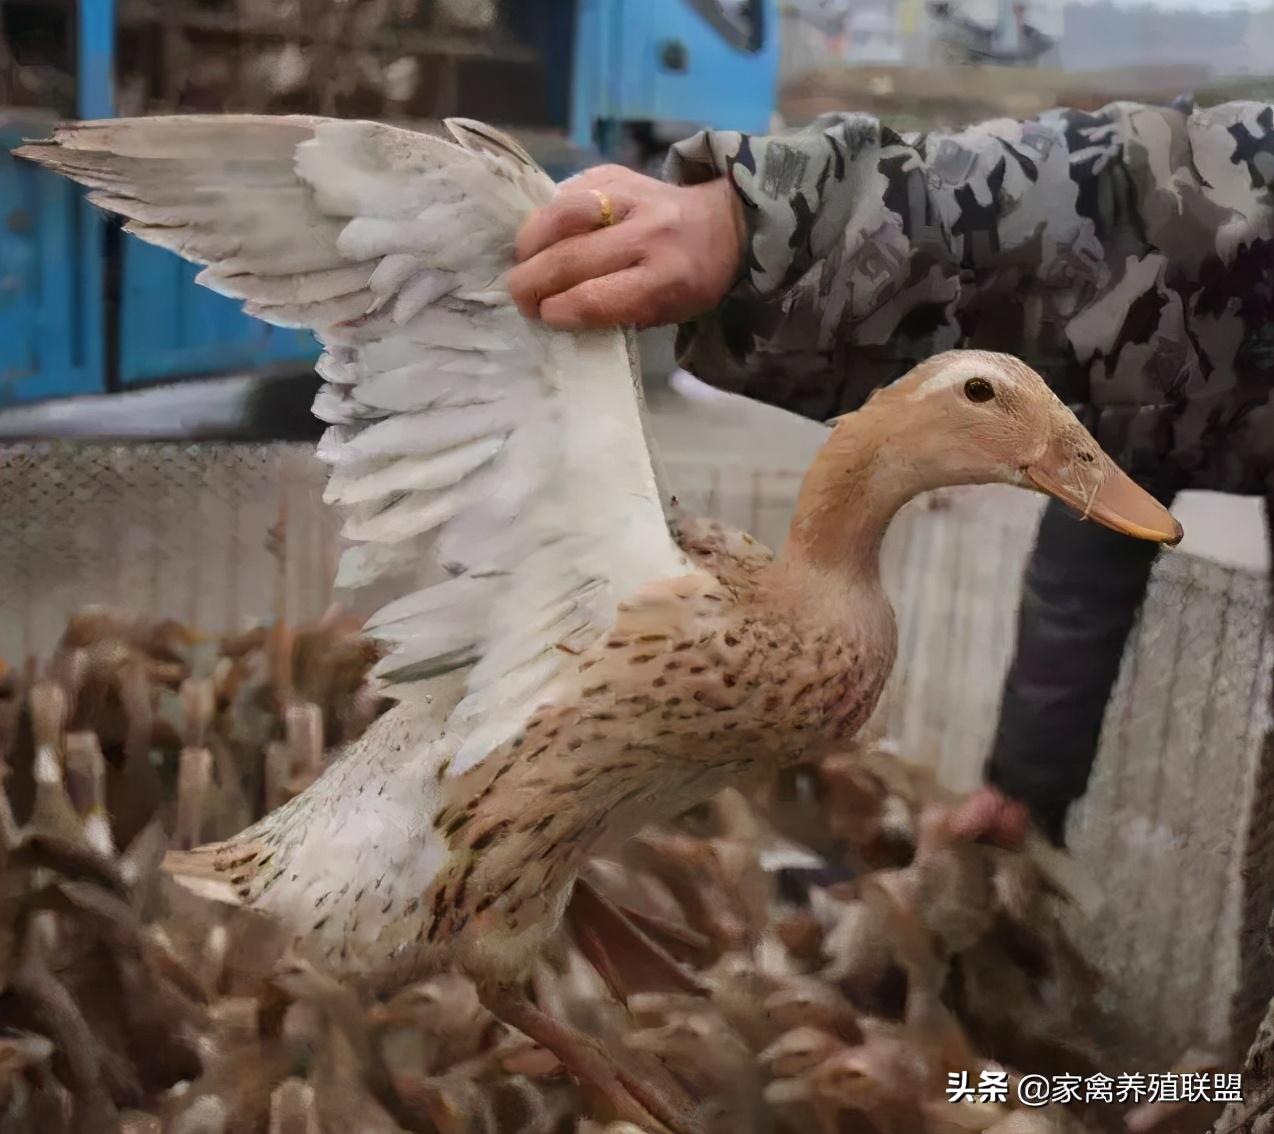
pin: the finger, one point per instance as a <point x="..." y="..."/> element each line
<point x="1013" y="824"/>
<point x="570" y="262"/>
<point x="987" y="816"/>
<point x="627" y="298"/>
<point x="975" y="816"/>
<point x="568" y="214"/>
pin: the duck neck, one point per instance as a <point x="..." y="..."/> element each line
<point x="853" y="489"/>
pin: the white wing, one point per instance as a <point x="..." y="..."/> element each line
<point x="494" y="474"/>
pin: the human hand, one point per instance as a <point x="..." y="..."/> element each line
<point x="669" y="254"/>
<point x="990" y="815"/>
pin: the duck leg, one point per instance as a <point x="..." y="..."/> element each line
<point x="619" y="948"/>
<point x="641" y="1092"/>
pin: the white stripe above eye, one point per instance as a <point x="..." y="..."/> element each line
<point x="962" y="366"/>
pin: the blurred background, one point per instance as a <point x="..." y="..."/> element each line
<point x="85" y="312"/>
<point x="191" y="489"/>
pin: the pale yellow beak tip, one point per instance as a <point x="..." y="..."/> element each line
<point x="1119" y="504"/>
<point x="1168" y="535"/>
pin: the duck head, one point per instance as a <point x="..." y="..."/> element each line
<point x="963" y="417"/>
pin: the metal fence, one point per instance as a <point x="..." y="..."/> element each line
<point x="216" y="535"/>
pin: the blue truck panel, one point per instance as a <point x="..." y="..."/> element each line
<point x="95" y="62"/>
<point x="679" y="62"/>
<point x="50" y="279"/>
<point x="170" y="327"/>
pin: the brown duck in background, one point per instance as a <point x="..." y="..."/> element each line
<point x="161" y="1021"/>
<point x="564" y="671"/>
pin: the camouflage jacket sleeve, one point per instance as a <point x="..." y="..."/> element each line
<point x="1127" y="254"/>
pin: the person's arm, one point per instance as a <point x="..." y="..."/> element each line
<point x="1105" y="248"/>
<point x="801" y="191"/>
<point x="807" y="268"/>
<point x="824" y="242"/>
<point x="868" y="251"/>
<point x="1061" y="240"/>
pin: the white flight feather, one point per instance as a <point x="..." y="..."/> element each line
<point x="420" y="474"/>
<point x="465" y="441"/>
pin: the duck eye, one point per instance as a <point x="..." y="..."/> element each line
<point x="979" y="390"/>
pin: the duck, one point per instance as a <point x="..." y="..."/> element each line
<point x="568" y="659"/>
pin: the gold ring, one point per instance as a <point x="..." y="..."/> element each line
<point x="608" y="211"/>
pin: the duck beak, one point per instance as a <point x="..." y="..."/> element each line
<point x="1099" y="489"/>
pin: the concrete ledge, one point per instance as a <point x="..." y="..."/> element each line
<point x="1179" y="818"/>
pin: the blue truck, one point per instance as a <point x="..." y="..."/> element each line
<point x="86" y="310"/>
